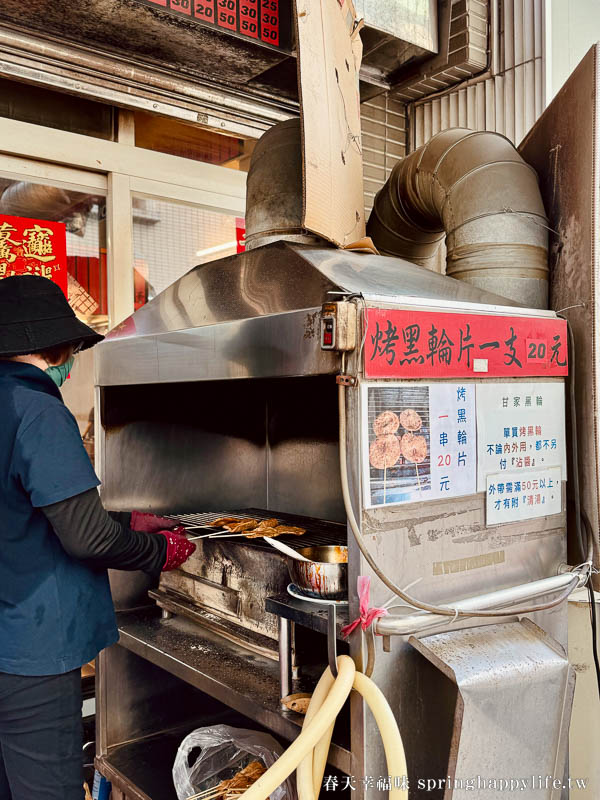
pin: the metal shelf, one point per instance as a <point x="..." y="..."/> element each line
<point x="310" y="615"/>
<point x="244" y="681"/>
<point x="142" y="769"/>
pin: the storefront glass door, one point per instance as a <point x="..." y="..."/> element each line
<point x="169" y="238"/>
<point x="54" y="225"/>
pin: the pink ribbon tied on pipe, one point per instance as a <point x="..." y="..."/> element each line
<point x="367" y="615"/>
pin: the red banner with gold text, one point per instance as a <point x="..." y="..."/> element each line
<point x="33" y="247"/>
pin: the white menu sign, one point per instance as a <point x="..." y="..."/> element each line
<point x="520" y="429"/>
<point x="453" y="452"/>
<point x="513" y="496"/>
<point x="419" y="441"/>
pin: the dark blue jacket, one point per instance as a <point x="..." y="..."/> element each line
<point x="56" y="613"/>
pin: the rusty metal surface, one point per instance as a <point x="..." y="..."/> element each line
<point x="511" y="715"/>
<point x="274" y="189"/>
<point x="128" y="27"/>
<point x="563" y="147"/>
<point x="232" y="578"/>
<point x="181" y="47"/>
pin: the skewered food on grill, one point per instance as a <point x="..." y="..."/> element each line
<point x="221" y="521"/>
<point x="410" y="420"/>
<point x="264" y="532"/>
<point x="274" y="530"/>
<point x="387" y="422"/>
<point x="241" y="525"/>
<point x="384" y="452"/>
<point x="414" y="448"/>
<point x="290" y="530"/>
<point x="267" y="523"/>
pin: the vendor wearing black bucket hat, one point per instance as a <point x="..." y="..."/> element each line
<point x="56" y="543"/>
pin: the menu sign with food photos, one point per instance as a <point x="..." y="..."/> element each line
<point x="33" y="247"/>
<point x="430" y="344"/>
<point x="419" y="442"/>
<point x="268" y="22"/>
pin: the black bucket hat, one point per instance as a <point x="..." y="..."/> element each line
<point x="35" y="315"/>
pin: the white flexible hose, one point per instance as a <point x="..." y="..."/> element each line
<point x="309" y="751"/>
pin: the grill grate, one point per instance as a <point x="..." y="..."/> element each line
<point x="318" y="531"/>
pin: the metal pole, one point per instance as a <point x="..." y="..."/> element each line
<point x="285" y="657"/>
<point x="413" y="623"/>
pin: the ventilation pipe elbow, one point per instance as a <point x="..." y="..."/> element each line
<point x="274" y="198"/>
<point x="474" y="189"/>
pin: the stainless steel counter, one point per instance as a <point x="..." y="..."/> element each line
<point x="239" y="679"/>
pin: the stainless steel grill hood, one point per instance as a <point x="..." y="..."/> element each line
<point x="256" y="314"/>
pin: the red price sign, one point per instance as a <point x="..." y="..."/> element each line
<point x="425" y="344"/>
<point x="34" y="247"/>
<point x="227" y="14"/>
<point x="205" y="10"/>
<point x="269" y="29"/>
<point x="182" y="6"/>
<point x="240" y="234"/>
<point x="249" y="18"/>
<point x="267" y="20"/>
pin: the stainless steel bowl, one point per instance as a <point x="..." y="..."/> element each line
<point x="325" y="576"/>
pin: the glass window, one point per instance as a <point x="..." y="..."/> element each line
<point x="166" y="135"/>
<point x="41" y="106"/>
<point x="36" y="221"/>
<point x="170" y="238"/>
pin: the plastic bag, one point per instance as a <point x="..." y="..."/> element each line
<point x="224" y="751"/>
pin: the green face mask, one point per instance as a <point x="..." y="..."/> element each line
<point x="59" y="374"/>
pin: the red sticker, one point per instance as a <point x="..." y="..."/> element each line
<point x="269" y="21"/>
<point x="249" y="18"/>
<point x="205" y="10"/>
<point x="227" y="14"/>
<point x="33" y="247"/>
<point x="425" y="344"/>
<point x="182" y="6"/>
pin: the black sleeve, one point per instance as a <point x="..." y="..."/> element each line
<point x="88" y="533"/>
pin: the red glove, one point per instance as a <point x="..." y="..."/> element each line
<point x="150" y="523"/>
<point x="179" y="549"/>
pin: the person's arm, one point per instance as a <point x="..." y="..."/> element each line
<point x="51" y="463"/>
<point x="88" y="533"/>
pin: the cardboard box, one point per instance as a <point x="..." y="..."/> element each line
<point x="329" y="56"/>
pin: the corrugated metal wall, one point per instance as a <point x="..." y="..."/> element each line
<point x="511" y="100"/>
<point x="383" y="124"/>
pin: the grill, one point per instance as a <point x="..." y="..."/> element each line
<point x="318" y="531"/>
<point x="225" y="583"/>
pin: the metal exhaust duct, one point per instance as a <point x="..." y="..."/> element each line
<point x="474" y="189"/>
<point x="274" y="196"/>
